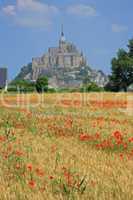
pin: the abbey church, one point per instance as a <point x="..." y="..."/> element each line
<point x="65" y="56"/>
<point x="65" y="66"/>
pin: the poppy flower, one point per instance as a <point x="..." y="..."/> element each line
<point x="19" y="153"/>
<point x="17" y="166"/>
<point x="39" y="172"/>
<point x="121" y="156"/>
<point x="117" y="135"/>
<point x="32" y="184"/>
<point x="51" y="177"/>
<point x="29" y="167"/>
<point x="130" y="139"/>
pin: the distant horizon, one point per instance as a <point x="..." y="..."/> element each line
<point x="29" y="28"/>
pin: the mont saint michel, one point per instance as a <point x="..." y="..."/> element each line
<point x="65" y="56"/>
<point x="64" y="65"/>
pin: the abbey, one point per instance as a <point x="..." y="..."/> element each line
<point x="65" y="66"/>
<point x="66" y="56"/>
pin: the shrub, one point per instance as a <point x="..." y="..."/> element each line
<point x="91" y="87"/>
<point x="42" y="84"/>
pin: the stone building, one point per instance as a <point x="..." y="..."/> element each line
<point x="65" y="56"/>
<point x="65" y="66"/>
<point x="3" y="77"/>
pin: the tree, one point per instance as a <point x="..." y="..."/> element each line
<point x="130" y="46"/>
<point x="42" y="84"/>
<point x="111" y="86"/>
<point x="91" y="87"/>
<point x="122" y="70"/>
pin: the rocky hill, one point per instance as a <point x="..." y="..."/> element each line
<point x="25" y="72"/>
<point x="66" y="77"/>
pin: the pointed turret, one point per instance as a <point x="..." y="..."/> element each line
<point x="62" y="39"/>
<point x="62" y="31"/>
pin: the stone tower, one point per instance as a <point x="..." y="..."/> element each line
<point x="66" y="56"/>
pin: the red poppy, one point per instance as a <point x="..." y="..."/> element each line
<point x="32" y="184"/>
<point x="29" y="167"/>
<point x="19" y="153"/>
<point x="121" y="156"/>
<point x="85" y="137"/>
<point x="6" y="156"/>
<point x="97" y="135"/>
<point x="118" y="135"/>
<point x="39" y="172"/>
<point x="130" y="139"/>
<point x="51" y="177"/>
<point x="2" y="138"/>
<point x="125" y="145"/>
<point x="17" y="166"/>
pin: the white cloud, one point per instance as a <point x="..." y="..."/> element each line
<point x="33" y="22"/>
<point x="117" y="28"/>
<point x="31" y="13"/>
<point x="82" y="10"/>
<point x="9" y="10"/>
<point x="35" y="6"/>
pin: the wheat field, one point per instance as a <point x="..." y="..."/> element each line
<point x="66" y="146"/>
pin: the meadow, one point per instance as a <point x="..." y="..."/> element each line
<point x="66" y="146"/>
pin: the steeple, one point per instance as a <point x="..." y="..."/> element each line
<point x="62" y="34"/>
<point x="62" y="30"/>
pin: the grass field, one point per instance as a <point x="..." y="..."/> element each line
<point x="66" y="146"/>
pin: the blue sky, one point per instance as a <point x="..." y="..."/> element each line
<point x="97" y="27"/>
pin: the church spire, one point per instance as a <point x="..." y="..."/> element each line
<point x="62" y="34"/>
<point x="62" y="30"/>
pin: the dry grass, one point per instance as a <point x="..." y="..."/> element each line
<point x="66" y="147"/>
